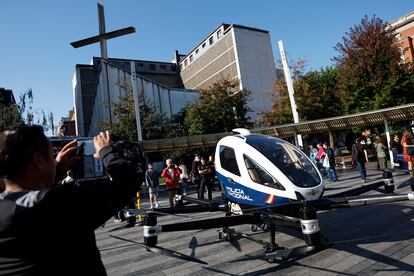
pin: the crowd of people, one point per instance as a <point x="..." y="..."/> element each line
<point x="178" y="179"/>
<point x="402" y="153"/>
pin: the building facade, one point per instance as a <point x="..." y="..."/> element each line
<point x="233" y="52"/>
<point x="404" y="29"/>
<point x="67" y="125"/>
<point x="159" y="81"/>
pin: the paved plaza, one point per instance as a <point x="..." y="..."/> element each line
<point x="379" y="241"/>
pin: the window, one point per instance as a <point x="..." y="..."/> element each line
<point x="191" y="58"/>
<point x="185" y="62"/>
<point x="259" y="175"/>
<point x="211" y="40"/>
<point x="203" y="45"/>
<point x="197" y="51"/>
<point x="152" y="67"/>
<point x="163" y="67"/>
<point x="140" y="64"/>
<point x="228" y="160"/>
<point x="219" y="34"/>
<point x="173" y="68"/>
<point x="289" y="160"/>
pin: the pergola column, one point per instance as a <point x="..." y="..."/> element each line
<point x="387" y="134"/>
<point x="331" y="139"/>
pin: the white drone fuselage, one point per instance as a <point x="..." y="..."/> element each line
<point x="258" y="170"/>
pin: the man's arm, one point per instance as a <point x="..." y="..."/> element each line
<point x="102" y="199"/>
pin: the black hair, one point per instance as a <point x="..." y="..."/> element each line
<point x="18" y="146"/>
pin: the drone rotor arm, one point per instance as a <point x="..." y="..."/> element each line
<point x="336" y="203"/>
<point x="212" y="223"/>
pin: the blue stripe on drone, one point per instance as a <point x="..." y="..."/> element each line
<point x="241" y="194"/>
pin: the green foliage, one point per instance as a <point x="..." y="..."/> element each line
<point x="370" y="73"/>
<point x="281" y="112"/>
<point x="220" y="108"/>
<point x="154" y="125"/>
<point x="316" y="96"/>
<point x="23" y="113"/>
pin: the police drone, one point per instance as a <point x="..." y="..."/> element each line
<point x="266" y="182"/>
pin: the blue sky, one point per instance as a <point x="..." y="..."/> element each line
<point x="35" y="35"/>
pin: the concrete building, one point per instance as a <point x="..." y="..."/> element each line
<point x="233" y="52"/>
<point x="404" y="29"/>
<point x="159" y="81"/>
<point x="67" y="125"/>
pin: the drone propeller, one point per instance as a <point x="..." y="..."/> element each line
<point x="282" y="255"/>
<point x="146" y="212"/>
<point x="290" y="253"/>
<point x="162" y="251"/>
<point x="121" y="227"/>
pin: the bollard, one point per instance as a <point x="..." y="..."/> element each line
<point x="310" y="225"/>
<point x="139" y="205"/>
<point x="150" y="230"/>
<point x="388" y="181"/>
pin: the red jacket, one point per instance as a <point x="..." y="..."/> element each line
<point x="171" y="181"/>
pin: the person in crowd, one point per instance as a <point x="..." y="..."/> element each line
<point x="360" y="156"/>
<point x="313" y="153"/>
<point x="70" y="178"/>
<point x="195" y="175"/>
<point x="396" y="147"/>
<point x="408" y="152"/>
<point x="212" y="167"/>
<point x="381" y="153"/>
<point x="320" y="159"/>
<point x="183" y="177"/>
<point x="366" y="136"/>
<point x="205" y="174"/>
<point x="374" y="152"/>
<point x="329" y="162"/>
<point x="43" y="226"/>
<point x="152" y="182"/>
<point x="171" y="175"/>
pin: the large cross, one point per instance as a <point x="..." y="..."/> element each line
<point x="102" y="38"/>
<point x="103" y="35"/>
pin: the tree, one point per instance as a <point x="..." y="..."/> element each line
<point x="370" y="72"/>
<point x="154" y="125"/>
<point x="281" y="112"/>
<point x="316" y="94"/>
<point x="23" y="113"/>
<point x="220" y="108"/>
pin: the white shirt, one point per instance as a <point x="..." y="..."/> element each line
<point x="171" y="172"/>
<point x="184" y="173"/>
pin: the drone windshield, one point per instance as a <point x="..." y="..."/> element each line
<point x="291" y="161"/>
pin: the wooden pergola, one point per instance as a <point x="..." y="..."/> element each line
<point x="327" y="125"/>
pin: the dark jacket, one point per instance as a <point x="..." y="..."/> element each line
<point x="331" y="156"/>
<point x="358" y="153"/>
<point x="195" y="175"/>
<point x="51" y="232"/>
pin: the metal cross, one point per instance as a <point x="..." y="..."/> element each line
<point x="103" y="35"/>
<point x="102" y="38"/>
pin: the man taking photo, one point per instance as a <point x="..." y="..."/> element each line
<point x="43" y="227"/>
